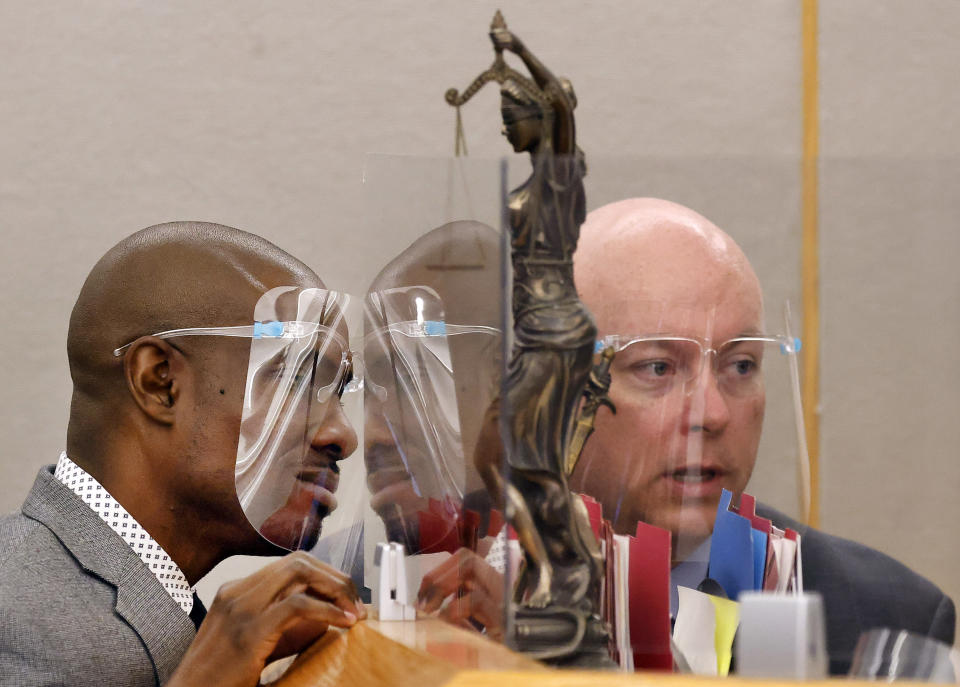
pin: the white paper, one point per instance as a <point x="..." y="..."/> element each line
<point x="695" y="631"/>
<point x="621" y="580"/>
<point x="776" y="543"/>
<point x="799" y="585"/>
<point x="788" y="560"/>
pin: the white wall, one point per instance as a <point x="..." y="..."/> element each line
<point x="115" y="116"/>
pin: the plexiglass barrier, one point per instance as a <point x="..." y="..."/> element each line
<point x="694" y="483"/>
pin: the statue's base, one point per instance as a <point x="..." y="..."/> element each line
<point x="562" y="637"/>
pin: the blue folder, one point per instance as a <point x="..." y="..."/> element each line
<point x="732" y="561"/>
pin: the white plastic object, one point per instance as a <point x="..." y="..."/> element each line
<point x="392" y="583"/>
<point x="781" y="636"/>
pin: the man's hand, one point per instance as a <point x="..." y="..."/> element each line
<point x="503" y="39"/>
<point x="275" y="612"/>
<point x="476" y="588"/>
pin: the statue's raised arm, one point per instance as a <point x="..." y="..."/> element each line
<point x="558" y="91"/>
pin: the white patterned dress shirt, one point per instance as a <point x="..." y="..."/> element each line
<point x="92" y="493"/>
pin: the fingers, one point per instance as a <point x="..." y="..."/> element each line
<point x="476" y="586"/>
<point x="298" y="608"/>
<point x="279" y="610"/>
<point x="502" y="39"/>
<point x="299" y="572"/>
<point x="475" y="606"/>
<point x="445" y="579"/>
<point x="299" y="620"/>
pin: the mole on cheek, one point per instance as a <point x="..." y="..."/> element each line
<point x="222" y="392"/>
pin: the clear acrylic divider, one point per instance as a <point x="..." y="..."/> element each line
<point x="698" y="488"/>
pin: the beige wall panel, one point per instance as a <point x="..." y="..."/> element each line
<point x="887" y="77"/>
<point x="890" y="241"/>
<point x="120" y="115"/>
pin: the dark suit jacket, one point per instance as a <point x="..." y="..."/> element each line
<point x="77" y="605"/>
<point x="863" y="589"/>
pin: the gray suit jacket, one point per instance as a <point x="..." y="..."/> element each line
<point x="863" y="589"/>
<point x="77" y="605"/>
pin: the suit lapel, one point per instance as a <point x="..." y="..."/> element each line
<point x="162" y="625"/>
<point x="166" y="631"/>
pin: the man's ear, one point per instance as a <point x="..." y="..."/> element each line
<point x="151" y="367"/>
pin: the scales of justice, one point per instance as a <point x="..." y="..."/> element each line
<point x="552" y="387"/>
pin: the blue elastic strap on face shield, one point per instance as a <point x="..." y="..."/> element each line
<point x="435" y="328"/>
<point x="796" y="344"/>
<point x="267" y="329"/>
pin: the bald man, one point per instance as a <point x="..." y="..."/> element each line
<point x="98" y="567"/>
<point x="651" y="267"/>
<point x="648" y="266"/>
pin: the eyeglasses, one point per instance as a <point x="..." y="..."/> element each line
<point x="659" y="365"/>
<point x="390" y="361"/>
<point x="332" y="370"/>
<point x="257" y="330"/>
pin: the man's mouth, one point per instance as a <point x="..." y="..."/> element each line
<point x="381" y="479"/>
<point x="696" y="481"/>
<point x="694" y="475"/>
<point x="321" y="482"/>
<point x="390" y="483"/>
<point x="385" y="468"/>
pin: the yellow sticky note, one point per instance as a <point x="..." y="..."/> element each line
<point x="728" y="618"/>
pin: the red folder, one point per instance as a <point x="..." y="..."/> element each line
<point x="496" y="523"/>
<point x="748" y="509"/>
<point x="650" y="598"/>
<point x="608" y="597"/>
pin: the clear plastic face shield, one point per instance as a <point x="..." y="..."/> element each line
<point x="294" y="435"/>
<point x="431" y="372"/>
<point x="706" y="399"/>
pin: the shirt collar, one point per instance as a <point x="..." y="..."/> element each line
<point x="92" y="493"/>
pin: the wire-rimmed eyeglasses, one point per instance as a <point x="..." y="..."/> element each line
<point x="658" y="364"/>
<point x="334" y="365"/>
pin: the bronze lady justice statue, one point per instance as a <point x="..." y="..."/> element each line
<point x="554" y="338"/>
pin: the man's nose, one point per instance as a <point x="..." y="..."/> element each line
<point x="708" y="407"/>
<point x="335" y="435"/>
